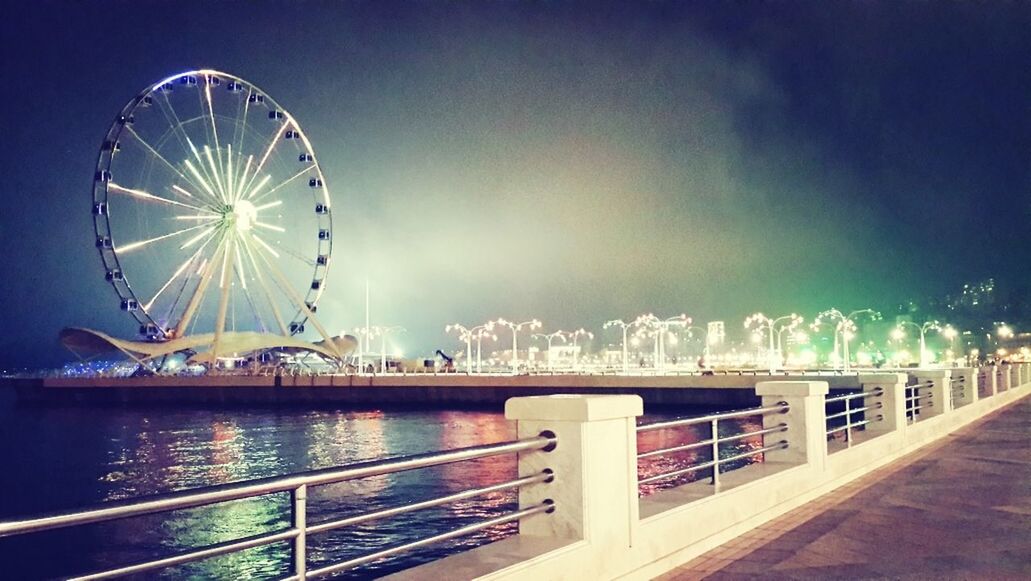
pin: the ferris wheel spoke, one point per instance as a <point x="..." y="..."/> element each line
<point x="272" y="145"/>
<point x="175" y="275"/>
<point x="216" y="172"/>
<point x="282" y="183"/>
<point x="198" y="293"/>
<point x="241" y="121"/>
<point x="284" y="285"/>
<point x="112" y="186"/>
<point x="243" y="179"/>
<point x="297" y="255"/>
<point x="141" y="243"/>
<point x="223" y="299"/>
<point x="211" y="110"/>
<point x="203" y="182"/>
<point x="265" y="288"/>
<point x="155" y="153"/>
<point x="260" y="185"/>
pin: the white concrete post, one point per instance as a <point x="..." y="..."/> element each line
<point x="990" y="380"/>
<point x="806" y="419"/>
<point x="1004" y="377"/>
<point x="969" y="376"/>
<point x="940" y="400"/>
<point x="893" y="401"/>
<point x="594" y="461"/>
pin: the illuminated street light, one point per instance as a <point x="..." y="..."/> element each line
<point x="581" y="332"/>
<point x="466" y="335"/>
<point x="624" y="326"/>
<point x="365" y="335"/>
<point x="1004" y="331"/>
<point x="759" y="321"/>
<point x="899" y="332"/>
<point x="481" y="331"/>
<point x="383" y="332"/>
<point x="705" y="339"/>
<point x="549" y="338"/>
<point x="516" y="327"/>
<point x="846" y="328"/>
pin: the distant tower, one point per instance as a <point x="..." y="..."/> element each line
<point x="716" y="334"/>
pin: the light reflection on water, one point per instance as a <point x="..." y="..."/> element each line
<point x="70" y="458"/>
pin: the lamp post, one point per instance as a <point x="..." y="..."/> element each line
<point x="846" y="327"/>
<point x="624" y="326"/>
<point x="465" y="335"/>
<point x="680" y="320"/>
<point x="365" y="335"/>
<point x="648" y="324"/>
<point x="705" y="339"/>
<point x="516" y="327"/>
<point x="549" y="338"/>
<point x="760" y="321"/>
<point x="481" y="331"/>
<point x="383" y="332"/>
<point x="581" y="332"/>
<point x="922" y="329"/>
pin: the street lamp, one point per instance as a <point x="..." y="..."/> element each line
<point x="465" y="335"/>
<point x="624" y="326"/>
<point x="705" y="339"/>
<point x="549" y="338"/>
<point x="680" y="320"/>
<point x="899" y="332"/>
<point x="365" y="335"/>
<point x="516" y="327"/>
<point x="759" y="321"/>
<point x="481" y="331"/>
<point x="846" y="328"/>
<point x="383" y="332"/>
<point x="581" y="332"/>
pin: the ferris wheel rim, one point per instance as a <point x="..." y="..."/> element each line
<point x="101" y="190"/>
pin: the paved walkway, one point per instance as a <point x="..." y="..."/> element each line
<point x="956" y="509"/>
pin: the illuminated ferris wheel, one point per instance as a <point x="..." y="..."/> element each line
<point x="211" y="211"/>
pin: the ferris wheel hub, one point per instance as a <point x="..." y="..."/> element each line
<point x="243" y="215"/>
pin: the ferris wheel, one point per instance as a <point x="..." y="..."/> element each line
<point x="211" y="211"/>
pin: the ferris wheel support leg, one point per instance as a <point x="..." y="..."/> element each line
<point x="191" y="307"/>
<point x="226" y="284"/>
<point x="290" y="292"/>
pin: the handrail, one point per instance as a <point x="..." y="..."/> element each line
<point x="781" y="407"/>
<point x="714" y="440"/>
<point x="782" y="427"/>
<point x="782" y="445"/>
<point x="873" y="392"/>
<point x="261" y="486"/>
<point x="297" y="484"/>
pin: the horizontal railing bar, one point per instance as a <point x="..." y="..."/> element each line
<point x="778" y="446"/>
<point x="546" y="506"/>
<point x="920" y="385"/>
<point x="779" y="428"/>
<point x="854" y="425"/>
<point x="389" y="512"/>
<point x="780" y="407"/>
<point x="196" y="555"/>
<point x="854" y="411"/>
<point x="871" y="393"/>
<point x="263" y="486"/>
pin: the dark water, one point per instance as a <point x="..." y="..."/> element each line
<point x="63" y="458"/>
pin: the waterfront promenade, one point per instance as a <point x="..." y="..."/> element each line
<point x="958" y="509"/>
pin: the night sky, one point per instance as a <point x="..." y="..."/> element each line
<point x="570" y="162"/>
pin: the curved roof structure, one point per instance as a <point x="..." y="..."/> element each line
<point x="88" y="343"/>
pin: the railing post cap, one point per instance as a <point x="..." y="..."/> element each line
<point x="882" y="378"/>
<point x="791" y="388"/>
<point x="573" y="407"/>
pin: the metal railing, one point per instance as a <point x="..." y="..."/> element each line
<point x="714" y="441"/>
<point x="850" y="411"/>
<point x="917" y="400"/>
<point x="297" y="485"/>
<point x="958" y="390"/>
